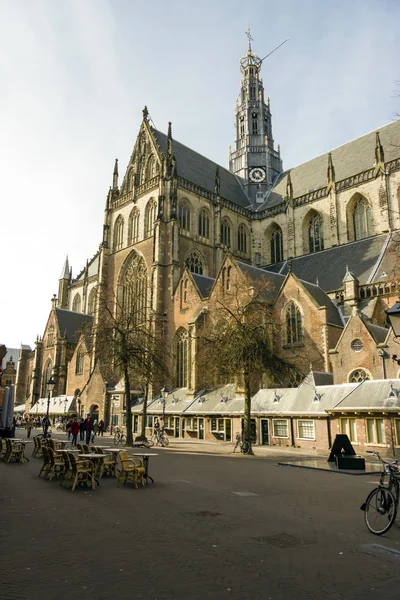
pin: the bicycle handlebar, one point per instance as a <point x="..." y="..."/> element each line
<point x="385" y="462"/>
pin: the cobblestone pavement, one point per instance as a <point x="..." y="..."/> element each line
<point x="212" y="526"/>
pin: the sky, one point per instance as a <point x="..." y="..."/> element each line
<point x="76" y="74"/>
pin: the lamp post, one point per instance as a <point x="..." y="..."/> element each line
<point x="79" y="406"/>
<point x="65" y="404"/>
<point x="113" y="400"/>
<point x="393" y="314"/>
<point x="50" y="387"/>
<point x="164" y="393"/>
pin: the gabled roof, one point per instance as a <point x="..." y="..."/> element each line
<point x="373" y="394"/>
<point x="201" y="171"/>
<point x="348" y="160"/>
<point x="274" y="281"/>
<point x="378" y="333"/>
<point x="332" y="312"/>
<point x="328" y="266"/>
<point x="71" y="323"/>
<point x="203" y="283"/>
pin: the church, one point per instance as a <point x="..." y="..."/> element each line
<point x="323" y="233"/>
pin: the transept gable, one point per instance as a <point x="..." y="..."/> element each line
<point x="70" y="324"/>
<point x="359" y="328"/>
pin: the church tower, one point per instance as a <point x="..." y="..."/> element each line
<point x="254" y="157"/>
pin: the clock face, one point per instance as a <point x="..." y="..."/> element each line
<point x="257" y="174"/>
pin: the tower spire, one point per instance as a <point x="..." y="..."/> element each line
<point x="169" y="138"/>
<point x="115" y="175"/>
<point x="65" y="269"/>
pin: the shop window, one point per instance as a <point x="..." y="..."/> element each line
<point x="349" y="427"/>
<point x="306" y="430"/>
<point x="375" y="431"/>
<point x="280" y="427"/>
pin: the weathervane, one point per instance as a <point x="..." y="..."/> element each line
<point x="249" y="36"/>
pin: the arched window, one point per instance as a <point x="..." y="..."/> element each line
<point x="359" y="375"/>
<point x="225" y="233"/>
<point x="134" y="291"/>
<point x="294" y="324"/>
<point x="77" y="303"/>
<point x="92" y="302"/>
<point x="204" y="224"/>
<point x="150" y="217"/>
<point x="182" y="351"/>
<point x="276" y="243"/>
<point x="50" y="337"/>
<point x="184" y="292"/>
<point x="242" y="239"/>
<point x="80" y="355"/>
<point x="151" y="167"/>
<point x="315" y="234"/>
<point x="228" y="279"/>
<point x="133" y="226"/>
<point x="184" y="216"/>
<point x="362" y="219"/>
<point x="194" y="263"/>
<point x="45" y="378"/>
<point x="118" y="233"/>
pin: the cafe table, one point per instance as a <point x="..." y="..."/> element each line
<point x="98" y="466"/>
<point x="146" y="457"/>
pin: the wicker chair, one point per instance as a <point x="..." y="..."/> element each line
<point x="46" y="461"/>
<point x="67" y="474"/>
<point x="3" y="448"/>
<point x="57" y="466"/>
<point x="131" y="468"/>
<point x="38" y="442"/>
<point x="108" y="465"/>
<point x="14" y="450"/>
<point x="82" y="471"/>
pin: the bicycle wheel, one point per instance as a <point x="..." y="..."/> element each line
<point x="164" y="441"/>
<point x="380" y="511"/>
<point x="245" y="447"/>
<point x="116" y="439"/>
<point x="149" y="443"/>
<point x="122" y="440"/>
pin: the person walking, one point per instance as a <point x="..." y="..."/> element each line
<point x="88" y="428"/>
<point x="101" y="428"/>
<point x="69" y="425"/>
<point x="29" y="425"/>
<point x="74" y="431"/>
<point x="82" y="427"/>
<point x="238" y="440"/>
<point x="95" y="430"/>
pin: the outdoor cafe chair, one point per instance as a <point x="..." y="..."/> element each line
<point x="46" y="461"/>
<point x="3" y="448"/>
<point x="14" y="450"/>
<point x="131" y="468"/>
<point x="67" y="473"/>
<point x="57" y="466"/>
<point x="108" y="465"/>
<point x="82" y="471"/>
<point x="39" y="442"/>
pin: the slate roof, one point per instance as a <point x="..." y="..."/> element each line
<point x="378" y="333"/>
<point x="201" y="170"/>
<point x="332" y="313"/>
<point x="372" y="394"/>
<point x="350" y="159"/>
<point x="204" y="284"/>
<point x="70" y="323"/>
<point x="328" y="266"/>
<point x="274" y="280"/>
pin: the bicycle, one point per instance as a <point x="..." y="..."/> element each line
<point x="119" y="438"/>
<point x="160" y="438"/>
<point x="380" y="507"/>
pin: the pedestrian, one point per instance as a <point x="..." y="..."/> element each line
<point x="29" y="425"/>
<point x="69" y="429"/>
<point x="101" y="427"/>
<point x="238" y="440"/>
<point x="88" y="428"/>
<point x="82" y="428"/>
<point x="74" y="431"/>
<point x="14" y="424"/>
<point x="95" y="430"/>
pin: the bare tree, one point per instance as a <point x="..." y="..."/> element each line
<point x="237" y="341"/>
<point x="129" y="345"/>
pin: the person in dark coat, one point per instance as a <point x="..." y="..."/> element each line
<point x="101" y="427"/>
<point x="88" y="428"/>
<point x="74" y="431"/>
<point x="82" y="430"/>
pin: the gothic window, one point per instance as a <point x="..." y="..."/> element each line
<point x="184" y="292"/>
<point x="294" y="324"/>
<point x="359" y="375"/>
<point x="254" y="124"/>
<point x="151" y="168"/>
<point x="182" y="351"/>
<point x="80" y="355"/>
<point x="118" y="233"/>
<point x="242" y="239"/>
<point x="225" y="233"/>
<point x="50" y="337"/>
<point x="228" y="278"/>
<point x="92" y="302"/>
<point x="194" y="263"/>
<point x="315" y="234"/>
<point x="133" y="226"/>
<point x="150" y="217"/>
<point x="242" y="125"/>
<point x="184" y="216"/>
<point x="46" y="376"/>
<point x="362" y="219"/>
<point x="252" y="92"/>
<point x="134" y="291"/>
<point x="204" y="224"/>
<point x="76" y="305"/>
<point x="276" y="244"/>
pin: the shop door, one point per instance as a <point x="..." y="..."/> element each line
<point x="265" y="432"/>
<point x="201" y="429"/>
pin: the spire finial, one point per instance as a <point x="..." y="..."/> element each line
<point x="289" y="262"/>
<point x="145" y="113"/>
<point x="115" y="175"/>
<point x="250" y="39"/>
<point x="65" y="270"/>
<point x="169" y="138"/>
<point x="379" y="154"/>
<point x="217" y="181"/>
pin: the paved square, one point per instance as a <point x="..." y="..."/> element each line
<point x="302" y="535"/>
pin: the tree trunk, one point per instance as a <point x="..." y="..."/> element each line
<point x="247" y="410"/>
<point x="144" y="412"/>
<point x="129" y="437"/>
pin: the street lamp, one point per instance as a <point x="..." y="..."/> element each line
<point x="113" y="401"/>
<point x="393" y="314"/>
<point x="164" y="393"/>
<point x="50" y="387"/>
<point x="65" y="404"/>
<point x="79" y="406"/>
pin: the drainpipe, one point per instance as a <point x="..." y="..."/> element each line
<point x="328" y="425"/>
<point x="388" y="198"/>
<point x="292" y="431"/>
<point x="393" y="435"/>
<point x="383" y="356"/>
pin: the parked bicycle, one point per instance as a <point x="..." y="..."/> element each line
<point x="242" y="444"/>
<point x="380" y="507"/>
<point x="119" y="438"/>
<point x="160" y="438"/>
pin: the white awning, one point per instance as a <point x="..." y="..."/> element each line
<point x="59" y="405"/>
<point x="20" y="408"/>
